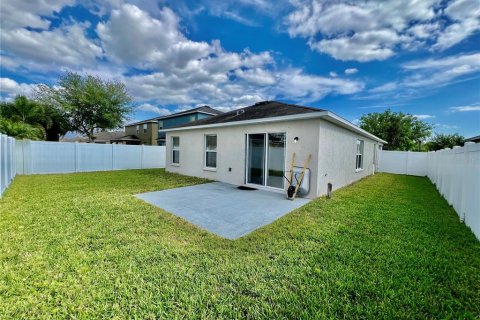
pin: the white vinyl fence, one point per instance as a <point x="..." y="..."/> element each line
<point x="455" y="172"/>
<point x="403" y="162"/>
<point x="7" y="162"/>
<point x="39" y="157"/>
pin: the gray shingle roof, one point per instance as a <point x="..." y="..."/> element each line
<point x="260" y="110"/>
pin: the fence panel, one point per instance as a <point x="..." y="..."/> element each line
<point x="403" y="162"/>
<point x="8" y="157"/>
<point x="455" y="173"/>
<point x="50" y="157"/>
<point x="153" y="157"/>
<point x="42" y="157"/>
<point x="93" y="157"/>
<point x="127" y="157"/>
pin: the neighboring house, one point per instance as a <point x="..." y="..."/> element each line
<point x="254" y="146"/>
<point x="475" y="139"/>
<point x="143" y="132"/>
<point x="147" y="131"/>
<point x="99" y="137"/>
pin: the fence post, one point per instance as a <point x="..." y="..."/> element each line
<point x="4" y="162"/>
<point x="77" y="157"/>
<point x="28" y="157"/>
<point x="406" y="163"/>
<point x="11" y="161"/>
<point x="141" y="157"/>
<point x="14" y="158"/>
<point x="1" y="164"/>
<point x="113" y="156"/>
<point x="466" y="190"/>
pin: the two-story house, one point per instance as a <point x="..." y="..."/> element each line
<point x="147" y="131"/>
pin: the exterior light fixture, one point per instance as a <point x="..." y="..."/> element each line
<point x="295" y="140"/>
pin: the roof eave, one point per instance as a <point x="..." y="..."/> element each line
<point x="327" y="115"/>
<point x="332" y="117"/>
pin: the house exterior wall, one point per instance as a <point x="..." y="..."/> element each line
<point x="337" y="151"/>
<point x="148" y="138"/>
<point x="231" y="150"/>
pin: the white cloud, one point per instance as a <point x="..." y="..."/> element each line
<point x="187" y="72"/>
<point x="351" y="71"/>
<point x="423" y="75"/>
<point x="365" y="46"/>
<point x="466" y="14"/>
<point x="465" y="108"/>
<point x="256" y="76"/>
<point x="389" y="86"/>
<point x="237" y="17"/>
<point x="147" y="107"/>
<point x="423" y="116"/>
<point x="134" y="37"/>
<point x="294" y="84"/>
<point x="441" y="71"/>
<point x="64" y="46"/>
<point x="333" y="74"/>
<point x="9" y="88"/>
<point x="376" y="30"/>
<point x="31" y="42"/>
<point x="27" y="13"/>
<point x="169" y="68"/>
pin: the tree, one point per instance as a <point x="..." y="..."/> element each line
<point x="90" y="103"/>
<point x="23" y="110"/>
<point x="21" y="130"/>
<point x="54" y="121"/>
<point x="442" y="141"/>
<point x="401" y="131"/>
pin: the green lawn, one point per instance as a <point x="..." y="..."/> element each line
<point x="81" y="246"/>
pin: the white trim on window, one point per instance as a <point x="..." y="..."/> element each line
<point x="359" y="157"/>
<point x="145" y="128"/>
<point x="138" y="128"/>
<point x="175" y="161"/>
<point x="210" y="150"/>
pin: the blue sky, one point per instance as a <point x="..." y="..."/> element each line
<point x="418" y="57"/>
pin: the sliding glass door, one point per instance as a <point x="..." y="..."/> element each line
<point x="276" y="160"/>
<point x="266" y="159"/>
<point x="256" y="159"/>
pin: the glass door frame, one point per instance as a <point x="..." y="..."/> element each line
<point x="265" y="165"/>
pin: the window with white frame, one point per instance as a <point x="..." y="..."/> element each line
<point x="138" y="128"/>
<point x="176" y="150"/>
<point x="359" y="155"/>
<point x="144" y="128"/>
<point x="210" y="151"/>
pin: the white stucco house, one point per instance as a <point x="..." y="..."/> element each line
<point x="253" y="146"/>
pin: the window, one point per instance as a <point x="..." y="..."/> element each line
<point x="160" y="124"/>
<point x="138" y="128"/>
<point x="176" y="150"/>
<point x="359" y="156"/>
<point x="144" y="128"/>
<point x="211" y="151"/>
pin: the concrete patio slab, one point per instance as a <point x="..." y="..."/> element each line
<point x="222" y="208"/>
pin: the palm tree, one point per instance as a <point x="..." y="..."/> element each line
<point x="21" y="130"/>
<point x="53" y="121"/>
<point x="23" y="110"/>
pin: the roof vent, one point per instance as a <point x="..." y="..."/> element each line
<point x="239" y="112"/>
<point x="261" y="102"/>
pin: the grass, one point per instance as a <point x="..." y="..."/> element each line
<point x="81" y="246"/>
